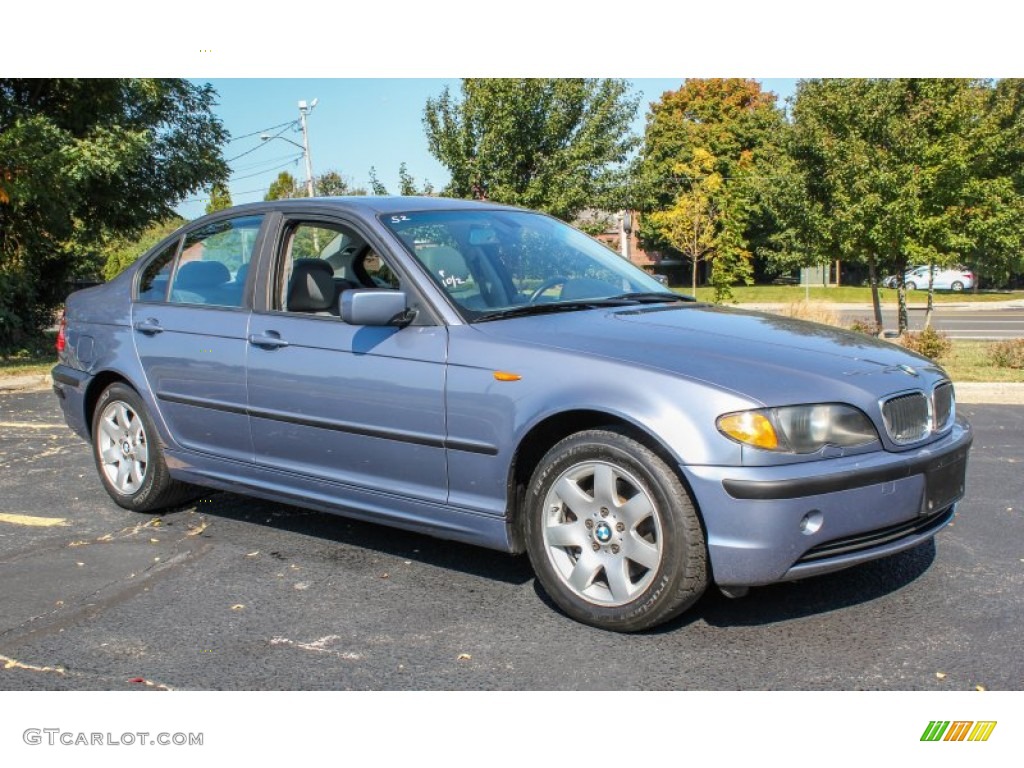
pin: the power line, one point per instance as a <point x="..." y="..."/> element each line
<point x="263" y="130"/>
<point x="263" y="163"/>
<point x="262" y="143"/>
<point x="233" y="194"/>
<point x="291" y="161"/>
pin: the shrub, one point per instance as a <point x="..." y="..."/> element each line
<point x="929" y="342"/>
<point x="22" y="320"/>
<point x="865" y="326"/>
<point x="1008" y="354"/>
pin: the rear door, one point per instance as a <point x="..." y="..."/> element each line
<point x="359" y="406"/>
<point x="191" y="318"/>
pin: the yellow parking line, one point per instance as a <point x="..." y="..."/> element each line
<point x="39" y="522"/>
<point x="8" y="663"/>
<point x="29" y="425"/>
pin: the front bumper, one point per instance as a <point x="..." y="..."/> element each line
<point x="771" y="524"/>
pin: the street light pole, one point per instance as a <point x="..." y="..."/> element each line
<point x="303" y="111"/>
<point x="625" y="228"/>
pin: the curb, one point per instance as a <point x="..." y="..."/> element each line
<point x="989" y="393"/>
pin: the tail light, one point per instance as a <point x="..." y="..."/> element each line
<point x="62" y="340"/>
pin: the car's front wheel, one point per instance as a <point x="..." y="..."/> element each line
<point x="911" y="285"/>
<point x="612" y="534"/>
<point x="128" y="454"/>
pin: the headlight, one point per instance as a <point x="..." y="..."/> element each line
<point x="799" y="428"/>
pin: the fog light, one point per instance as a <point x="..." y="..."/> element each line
<point x="811" y="523"/>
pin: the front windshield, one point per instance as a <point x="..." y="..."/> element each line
<point x="496" y="262"/>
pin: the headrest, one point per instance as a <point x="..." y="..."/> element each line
<point x="311" y="288"/>
<point x="443" y="259"/>
<point x="201" y="274"/>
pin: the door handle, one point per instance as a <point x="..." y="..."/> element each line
<point x="268" y="340"/>
<point x="150" y="326"/>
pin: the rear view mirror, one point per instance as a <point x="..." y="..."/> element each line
<point x="482" y="236"/>
<point x="368" y="306"/>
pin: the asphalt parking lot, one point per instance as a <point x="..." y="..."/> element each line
<point x="234" y="593"/>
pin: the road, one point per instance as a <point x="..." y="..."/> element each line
<point x="234" y="593"/>
<point x="958" y="323"/>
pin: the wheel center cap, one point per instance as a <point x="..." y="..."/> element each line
<point x="603" y="533"/>
<point x="126" y="447"/>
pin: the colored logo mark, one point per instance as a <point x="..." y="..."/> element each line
<point x="958" y="730"/>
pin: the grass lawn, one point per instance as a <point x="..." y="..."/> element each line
<point x="847" y="294"/>
<point x="36" y="357"/>
<point x="24" y="365"/>
<point x="970" y="361"/>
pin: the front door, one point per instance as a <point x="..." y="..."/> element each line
<point x="359" y="406"/>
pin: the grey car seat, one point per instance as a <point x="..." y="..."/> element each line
<point x="311" y="288"/>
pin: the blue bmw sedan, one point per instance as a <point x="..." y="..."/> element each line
<point x="489" y="374"/>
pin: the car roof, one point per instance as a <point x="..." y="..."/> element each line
<point x="371" y="205"/>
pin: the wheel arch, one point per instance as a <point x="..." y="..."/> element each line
<point x="97" y="385"/>
<point x="551" y="430"/>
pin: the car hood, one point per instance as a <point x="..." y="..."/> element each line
<point x="767" y="358"/>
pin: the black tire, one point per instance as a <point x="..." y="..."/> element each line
<point x="632" y="554"/>
<point x="129" y="459"/>
<point x="911" y="286"/>
<point x="957" y="286"/>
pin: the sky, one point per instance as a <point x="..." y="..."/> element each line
<point x="358" y="123"/>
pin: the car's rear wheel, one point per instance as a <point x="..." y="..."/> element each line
<point x="128" y="454"/>
<point x="612" y="533"/>
<point x="957" y="286"/>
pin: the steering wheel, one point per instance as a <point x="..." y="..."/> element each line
<point x="551" y="282"/>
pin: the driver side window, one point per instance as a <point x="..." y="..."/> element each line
<point x="319" y="261"/>
<point x="311" y="275"/>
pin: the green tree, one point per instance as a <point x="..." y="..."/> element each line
<point x="895" y="173"/>
<point x="120" y="252"/>
<point x="327" y="184"/>
<point x="691" y="223"/>
<point x="376" y="187"/>
<point x="81" y="160"/>
<point x="407" y="183"/>
<point x="284" y="187"/>
<point x="706" y="148"/>
<point x="331" y="184"/>
<point x="220" y="198"/>
<point x="995" y="191"/>
<point x="556" y="145"/>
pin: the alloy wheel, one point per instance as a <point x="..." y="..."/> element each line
<point x="602" y="533"/>
<point x="123" y="447"/>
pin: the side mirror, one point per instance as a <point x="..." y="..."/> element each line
<point x="367" y="306"/>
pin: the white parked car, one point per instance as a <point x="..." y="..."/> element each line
<point x="955" y="279"/>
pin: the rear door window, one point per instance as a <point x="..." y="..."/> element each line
<point x="214" y="263"/>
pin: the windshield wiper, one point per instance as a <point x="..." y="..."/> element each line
<point x="652" y="297"/>
<point x="557" y="306"/>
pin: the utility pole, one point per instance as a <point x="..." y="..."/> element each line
<point x="625" y="228"/>
<point x="303" y="111"/>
